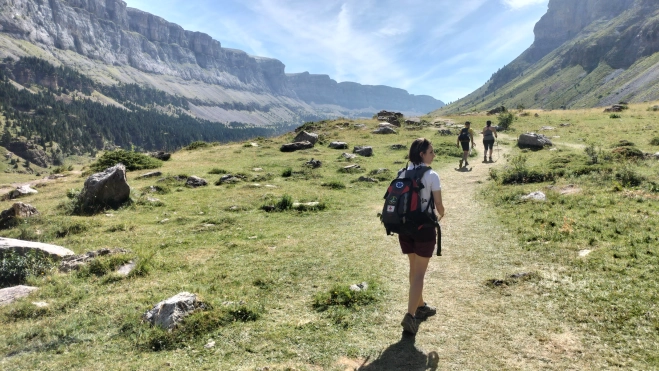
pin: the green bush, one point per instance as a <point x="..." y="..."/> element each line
<point x="197" y="145"/>
<point x="218" y="171"/>
<point x="506" y="120"/>
<point x="335" y="184"/>
<point x="628" y="177"/>
<point x="342" y="296"/>
<point x="103" y="265"/>
<point x="287" y="173"/>
<point x="655" y="141"/>
<point x="132" y="160"/>
<point x="16" y="268"/>
<point x="615" y="116"/>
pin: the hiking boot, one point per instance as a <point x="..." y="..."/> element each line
<point x="485" y="159"/>
<point x="466" y="163"/>
<point x="425" y="311"/>
<point x="460" y="166"/>
<point x="490" y="158"/>
<point x="409" y="324"/>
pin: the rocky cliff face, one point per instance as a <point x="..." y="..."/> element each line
<point x="110" y="33"/>
<point x="585" y="53"/>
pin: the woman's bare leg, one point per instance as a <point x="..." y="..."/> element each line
<point x="418" y="267"/>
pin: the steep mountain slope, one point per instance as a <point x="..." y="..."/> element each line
<point x="113" y="43"/>
<point x="586" y="53"/>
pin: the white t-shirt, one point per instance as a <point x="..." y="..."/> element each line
<point x="430" y="182"/>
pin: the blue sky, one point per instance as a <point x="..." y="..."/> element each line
<point x="442" y="48"/>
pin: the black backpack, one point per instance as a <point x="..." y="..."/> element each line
<point x="402" y="212"/>
<point x="464" y="135"/>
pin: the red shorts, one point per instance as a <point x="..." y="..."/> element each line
<point x="421" y="243"/>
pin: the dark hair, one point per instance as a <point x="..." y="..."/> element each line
<point x="467" y="122"/>
<point x="488" y="123"/>
<point x="418" y="146"/>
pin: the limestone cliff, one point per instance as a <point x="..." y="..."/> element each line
<point x="586" y="53"/>
<point x="112" y="42"/>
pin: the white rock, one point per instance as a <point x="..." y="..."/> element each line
<point x="169" y="312"/>
<point x="537" y="196"/>
<point x="10" y="294"/>
<point x="583" y="253"/>
<point x="23" y="247"/>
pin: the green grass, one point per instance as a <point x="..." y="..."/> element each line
<point x="275" y="283"/>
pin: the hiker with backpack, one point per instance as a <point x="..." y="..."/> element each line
<point x="413" y="207"/>
<point x="466" y="135"/>
<point x="489" y="134"/>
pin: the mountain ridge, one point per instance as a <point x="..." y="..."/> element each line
<point x="110" y="35"/>
<point x="586" y="53"/>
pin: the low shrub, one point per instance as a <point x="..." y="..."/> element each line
<point x="132" y="160"/>
<point x="16" y="268"/>
<point x="615" y="116"/>
<point x="287" y="172"/>
<point x="628" y="177"/>
<point x="217" y="171"/>
<point x="335" y="184"/>
<point x="103" y="265"/>
<point x="342" y="296"/>
<point x="654" y="141"/>
<point x="506" y="120"/>
<point x="197" y="145"/>
<point x="628" y="152"/>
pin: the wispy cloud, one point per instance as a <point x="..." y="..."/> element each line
<point x="516" y="4"/>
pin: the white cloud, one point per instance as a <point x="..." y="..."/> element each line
<point x="516" y="4"/>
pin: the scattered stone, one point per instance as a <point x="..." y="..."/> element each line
<point x="390" y="117"/>
<point x="125" y="269"/>
<point x="55" y="176"/>
<point x="554" y="149"/>
<point x="359" y="126"/>
<point x="11" y="294"/>
<point x="380" y="171"/>
<point x="22" y="247"/>
<point x="656" y="155"/>
<point x="398" y="147"/>
<point x="348" y="156"/>
<point x="228" y="179"/>
<point x="210" y="344"/>
<point x="21" y="191"/>
<point x="195" y="181"/>
<point x="257" y="169"/>
<point x="546" y="128"/>
<point x="533" y="140"/>
<point x="270" y="186"/>
<point x="292" y="147"/>
<point x="445" y="132"/>
<point x="350" y="168"/>
<point x="520" y="275"/>
<point x="253" y="144"/>
<point x="74" y="262"/>
<point x="105" y="189"/>
<point x="150" y="175"/>
<point x="359" y="287"/>
<point x="164" y="221"/>
<point x="384" y="130"/>
<point x="170" y="312"/>
<point x="366" y="179"/>
<point x="536" y="196"/>
<point x="314" y="164"/>
<point x="303" y="136"/>
<point x="566" y="124"/>
<point x="365" y="151"/>
<point x="18" y="210"/>
<point x="615" y="108"/>
<point x="40" y="304"/>
<point x="584" y="253"/>
<point x="160" y="155"/>
<point x="338" y="145"/>
<point x="9" y="155"/>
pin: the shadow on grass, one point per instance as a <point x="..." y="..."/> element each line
<point x="403" y="356"/>
<point x="58" y="343"/>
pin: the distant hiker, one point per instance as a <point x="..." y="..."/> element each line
<point x="466" y="135"/>
<point x="489" y="133"/>
<point x="420" y="244"/>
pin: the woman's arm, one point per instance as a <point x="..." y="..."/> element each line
<point x="439" y="205"/>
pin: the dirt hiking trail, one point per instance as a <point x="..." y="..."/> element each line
<point x="477" y="326"/>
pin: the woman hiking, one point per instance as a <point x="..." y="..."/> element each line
<point x="420" y="244"/>
<point x="489" y="134"/>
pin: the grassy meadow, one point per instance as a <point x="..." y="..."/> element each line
<point x="276" y="283"/>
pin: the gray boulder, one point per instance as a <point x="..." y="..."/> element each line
<point x="163" y="156"/>
<point x="384" y="130"/>
<point x="195" y="181"/>
<point x="398" y="147"/>
<point x="533" y="140"/>
<point x="22" y="247"/>
<point x="303" y="136"/>
<point x="292" y="147"/>
<point x="106" y="189"/>
<point x="170" y="312"/>
<point x="365" y="151"/>
<point x="348" y="156"/>
<point x="150" y="175"/>
<point x="338" y="145"/>
<point x="21" y="191"/>
<point x="10" y="294"/>
<point x="535" y="196"/>
<point x="228" y="179"/>
<point x="74" y="262"/>
<point x="18" y="210"/>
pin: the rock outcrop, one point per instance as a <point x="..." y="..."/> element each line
<point x="22" y="247"/>
<point x="111" y="35"/>
<point x="105" y="189"/>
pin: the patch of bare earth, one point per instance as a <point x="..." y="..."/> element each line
<point x="477" y="326"/>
